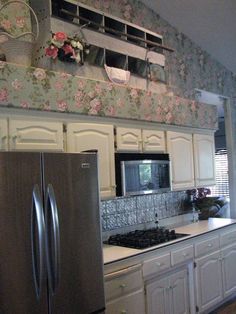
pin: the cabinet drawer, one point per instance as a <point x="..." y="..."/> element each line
<point x="129" y="304"/>
<point x="207" y="246"/>
<point x="156" y="265"/>
<point x="181" y="255"/>
<point x="228" y="238"/>
<point x="122" y="282"/>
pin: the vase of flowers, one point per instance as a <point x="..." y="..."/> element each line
<point x="67" y="49"/>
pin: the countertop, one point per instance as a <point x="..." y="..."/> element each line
<point x="112" y="253"/>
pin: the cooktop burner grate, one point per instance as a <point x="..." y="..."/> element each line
<point x="141" y="239"/>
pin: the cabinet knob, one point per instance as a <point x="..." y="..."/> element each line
<point x="210" y="245"/>
<point x="123" y="285"/>
<point x="159" y="264"/>
<point x="185" y="254"/>
<point x="123" y="312"/>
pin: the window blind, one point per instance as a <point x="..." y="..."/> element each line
<point x="222" y="179"/>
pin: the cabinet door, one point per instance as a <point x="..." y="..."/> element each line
<point x="157" y="297"/>
<point x="129" y="304"/>
<point x="128" y="139"/>
<point x="204" y="159"/>
<point x="179" y="292"/>
<point x="209" y="281"/>
<point x="100" y="137"/>
<point x="153" y="141"/>
<point x="228" y="268"/>
<point x="180" y="148"/>
<point x="35" y="135"/>
<point x="3" y="134"/>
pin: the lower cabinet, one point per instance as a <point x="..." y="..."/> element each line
<point x="132" y="303"/>
<point x="228" y="270"/>
<point x="169" y="295"/>
<point x="208" y="281"/>
<point x="124" y="291"/>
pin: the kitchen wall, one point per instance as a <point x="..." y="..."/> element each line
<point x="189" y="67"/>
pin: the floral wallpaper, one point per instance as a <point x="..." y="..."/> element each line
<point x="40" y="89"/>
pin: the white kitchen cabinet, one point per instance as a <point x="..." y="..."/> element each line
<point x="35" y="135"/>
<point x="100" y="137"/>
<point x="124" y="291"/>
<point x="209" y="288"/>
<point x="169" y="295"/>
<point x="204" y="159"/>
<point x="140" y="140"/>
<point x="228" y="270"/>
<point x="3" y="134"/>
<point x="180" y="148"/>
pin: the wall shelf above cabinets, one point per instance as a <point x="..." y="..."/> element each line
<point x="106" y="34"/>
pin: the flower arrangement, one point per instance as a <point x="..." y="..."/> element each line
<point x="67" y="49"/>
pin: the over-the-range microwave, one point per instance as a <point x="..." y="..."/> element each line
<point x="140" y="173"/>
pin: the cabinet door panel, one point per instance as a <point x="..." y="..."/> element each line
<point x="85" y="136"/>
<point x="35" y="135"/>
<point x="180" y="148"/>
<point x="229" y="274"/>
<point x="128" y="139"/>
<point x="209" y="281"/>
<point x="129" y="304"/>
<point x="153" y="141"/>
<point x="157" y="294"/>
<point x="204" y="159"/>
<point x="179" y="292"/>
<point x="3" y="134"/>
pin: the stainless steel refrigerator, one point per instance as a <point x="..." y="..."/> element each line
<point x="50" y="235"/>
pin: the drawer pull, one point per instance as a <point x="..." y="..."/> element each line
<point x="159" y="264"/>
<point x="123" y="312"/>
<point x="185" y="254"/>
<point x="210" y="245"/>
<point x="123" y="285"/>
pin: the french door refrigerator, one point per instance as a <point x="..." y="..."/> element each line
<point x="50" y="236"/>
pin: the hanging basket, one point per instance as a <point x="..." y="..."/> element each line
<point x="16" y="50"/>
<point x="117" y="76"/>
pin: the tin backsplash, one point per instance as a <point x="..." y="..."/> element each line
<point x="128" y="211"/>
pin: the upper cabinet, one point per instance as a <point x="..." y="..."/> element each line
<point x="34" y="135"/>
<point x="180" y="148"/>
<point x="3" y="135"/>
<point x="139" y="140"/>
<point x="204" y="160"/>
<point x="99" y="137"/>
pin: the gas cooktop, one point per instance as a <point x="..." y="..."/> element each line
<point x="142" y="239"/>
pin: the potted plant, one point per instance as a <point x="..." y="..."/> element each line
<point x="206" y="205"/>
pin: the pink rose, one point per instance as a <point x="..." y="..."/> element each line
<point x="78" y="95"/>
<point x="25" y="104"/>
<point x="98" y="89"/>
<point x="3" y="94"/>
<point x="68" y="49"/>
<point x="58" y="85"/>
<point x="40" y="74"/>
<point x="134" y="93"/>
<point x="20" y="21"/>
<point x="95" y="105"/>
<point x="6" y="24"/>
<point x="60" y="36"/>
<point x="51" y="51"/>
<point x="111" y="111"/>
<point x="62" y="105"/>
<point x="16" y="84"/>
<point x="81" y="85"/>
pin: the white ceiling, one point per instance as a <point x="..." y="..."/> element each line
<point x="209" y="23"/>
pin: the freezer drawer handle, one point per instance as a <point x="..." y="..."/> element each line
<point x="37" y="217"/>
<point x="52" y="234"/>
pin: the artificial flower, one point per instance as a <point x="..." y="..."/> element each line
<point x="67" y="49"/>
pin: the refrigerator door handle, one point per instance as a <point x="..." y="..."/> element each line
<point x="38" y="249"/>
<point x="53" y="239"/>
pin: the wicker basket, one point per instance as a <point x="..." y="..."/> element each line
<point x="16" y="50"/>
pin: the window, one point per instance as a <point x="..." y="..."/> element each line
<point x="222" y="180"/>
